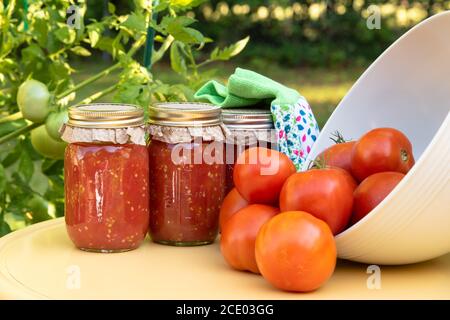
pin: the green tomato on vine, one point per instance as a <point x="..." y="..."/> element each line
<point x="33" y="100"/>
<point x="46" y="145"/>
<point x="54" y="122"/>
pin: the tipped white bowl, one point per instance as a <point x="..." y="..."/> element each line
<point x="408" y="88"/>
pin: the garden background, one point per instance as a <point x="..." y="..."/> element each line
<point x="317" y="47"/>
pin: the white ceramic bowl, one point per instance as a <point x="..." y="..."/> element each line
<point x="408" y="88"/>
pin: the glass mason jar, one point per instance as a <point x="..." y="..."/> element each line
<point x="187" y="173"/>
<point x="106" y="177"/>
<point x="247" y="128"/>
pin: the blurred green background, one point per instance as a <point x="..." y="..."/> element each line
<point x="317" y="47"/>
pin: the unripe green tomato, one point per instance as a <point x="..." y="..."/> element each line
<point x="33" y="100"/>
<point x="46" y="145"/>
<point x="54" y="122"/>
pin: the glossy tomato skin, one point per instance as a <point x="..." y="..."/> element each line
<point x="33" y="100"/>
<point x="325" y="193"/>
<point x="54" y="122"/>
<point x="295" y="251"/>
<point x="238" y="237"/>
<point x="259" y="174"/>
<point x="338" y="155"/>
<point x="380" y="150"/>
<point x="232" y="203"/>
<point x="372" y="191"/>
<point x="46" y="145"/>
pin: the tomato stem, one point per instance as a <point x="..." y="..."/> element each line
<point x="337" y="137"/>
<point x="164" y="47"/>
<point x="97" y="95"/>
<point x="318" y="163"/>
<point x="135" y="47"/>
<point x="404" y="155"/>
<point x="18" y="132"/>
<point x="11" y="117"/>
<point x="89" y="81"/>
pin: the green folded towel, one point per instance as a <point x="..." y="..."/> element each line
<point x="296" y="127"/>
<point x="246" y="88"/>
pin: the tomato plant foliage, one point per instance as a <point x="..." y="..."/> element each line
<point x="36" y="42"/>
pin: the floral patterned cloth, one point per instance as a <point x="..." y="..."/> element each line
<point x="296" y="127"/>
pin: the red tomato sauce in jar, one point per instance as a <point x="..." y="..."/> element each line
<point x="185" y="207"/>
<point x="106" y="196"/>
<point x="187" y="174"/>
<point x="106" y="177"/>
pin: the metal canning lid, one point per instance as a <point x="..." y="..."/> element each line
<point x="247" y="119"/>
<point x="106" y="115"/>
<point x="184" y="114"/>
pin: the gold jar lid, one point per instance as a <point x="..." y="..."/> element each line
<point x="184" y="114"/>
<point x="106" y="115"/>
<point x="247" y="119"/>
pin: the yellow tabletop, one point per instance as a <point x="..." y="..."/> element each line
<point x="40" y="262"/>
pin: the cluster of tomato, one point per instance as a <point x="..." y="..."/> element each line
<point x="34" y="101"/>
<point x="281" y="223"/>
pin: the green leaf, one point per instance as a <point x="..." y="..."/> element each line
<point x="31" y="53"/>
<point x="38" y="208"/>
<point x="79" y="50"/>
<point x="12" y="157"/>
<point x="111" y="8"/>
<point x="94" y="36"/>
<point x="2" y="179"/>
<point x="40" y="31"/>
<point x="4" y="227"/>
<point x="230" y="51"/>
<point x="26" y="166"/>
<point x="177" y="58"/>
<point x="52" y="167"/>
<point x="65" y="34"/>
<point x="135" y="24"/>
<point x="178" y="28"/>
<point x="161" y="6"/>
<point x="8" y="127"/>
<point x="94" y="31"/>
<point x="183" y="5"/>
<point x="188" y="35"/>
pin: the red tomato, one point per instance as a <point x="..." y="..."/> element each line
<point x="325" y="193"/>
<point x="232" y="203"/>
<point x="338" y="155"/>
<point x="237" y="241"/>
<point x="295" y="251"/>
<point x="372" y="191"/>
<point x="259" y="174"/>
<point x="380" y="150"/>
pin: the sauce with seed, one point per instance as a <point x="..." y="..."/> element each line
<point x="185" y="196"/>
<point x="107" y="198"/>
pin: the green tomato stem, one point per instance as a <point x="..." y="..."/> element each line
<point x="89" y="81"/>
<point x="148" y="50"/>
<point x="97" y="95"/>
<point x="11" y="117"/>
<point x="204" y="63"/>
<point x="18" y="132"/>
<point x="157" y="55"/>
<point x="135" y="47"/>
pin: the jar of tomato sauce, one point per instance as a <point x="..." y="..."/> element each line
<point x="187" y="173"/>
<point x="106" y="177"/>
<point x="247" y="128"/>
